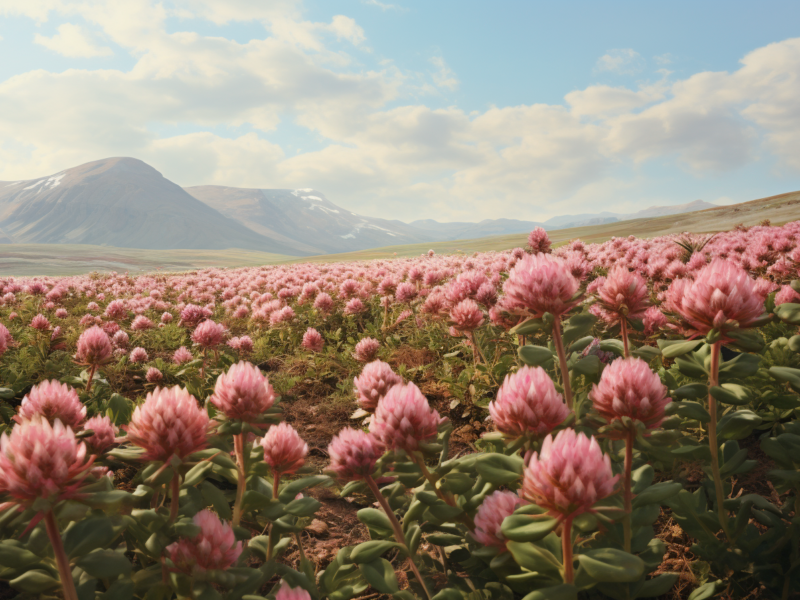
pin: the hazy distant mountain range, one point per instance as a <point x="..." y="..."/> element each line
<point x="124" y="202"/>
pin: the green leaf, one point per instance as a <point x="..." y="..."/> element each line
<point x="731" y="393"/>
<point x="691" y="410"/>
<point x="741" y="367"/>
<point x="499" y="469"/>
<point x="35" y="581"/>
<point x="535" y="356"/>
<point x="610" y="565"/>
<point x="788" y="313"/>
<point x="105" y="564"/>
<point x="369" y="551"/>
<point x="737" y="425"/>
<point x="197" y="473"/>
<point x="303" y="507"/>
<point x="692" y="391"/>
<point x="787" y="375"/>
<point x="216" y="498"/>
<point x="380" y="575"/>
<point x="527" y="528"/>
<point x="657" y="493"/>
<point x="527" y="327"/>
<point x="705" y="591"/>
<point x="15" y="556"/>
<point x="588" y="365"/>
<point x="675" y="348"/>
<point x="646" y="353"/>
<point x="562" y="591"/>
<point x="374" y="519"/>
<point x="533" y="557"/>
<point x="578" y="326"/>
<point x="87" y="535"/>
<point x="291" y="489"/>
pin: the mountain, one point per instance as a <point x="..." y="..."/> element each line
<point x="306" y="219"/>
<point x="445" y="232"/>
<point x="676" y="209"/>
<point x="120" y="202"/>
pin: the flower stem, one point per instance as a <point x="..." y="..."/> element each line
<point x="566" y="550"/>
<point x="627" y="493"/>
<point x="241" y="482"/>
<point x="444" y="497"/>
<point x="275" y="484"/>
<point x="623" y="326"/>
<point x="89" y="380"/>
<point x="175" y="492"/>
<point x="562" y="361"/>
<point x="64" y="572"/>
<point x="398" y="530"/>
<point x="713" y="380"/>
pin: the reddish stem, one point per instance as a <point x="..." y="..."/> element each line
<point x="175" y="492"/>
<point x="89" y="380"/>
<point x="562" y="361"/>
<point x="241" y="483"/>
<point x="64" y="572"/>
<point x="623" y="324"/>
<point x="627" y="492"/>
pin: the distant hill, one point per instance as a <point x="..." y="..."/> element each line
<point x="119" y="202"/>
<point x="305" y="219"/>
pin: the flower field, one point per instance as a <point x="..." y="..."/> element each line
<point x="614" y="420"/>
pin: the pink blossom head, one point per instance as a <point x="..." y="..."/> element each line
<point x="406" y="292"/>
<point x="245" y="344"/>
<point x="41" y="460"/>
<point x="104" y="434"/>
<point x="288" y="593"/>
<point x="366" y="350"/>
<point x="654" y="320"/>
<point x="466" y="315"/>
<point x="528" y="405"/>
<point x="120" y="339"/>
<point x="214" y="548"/>
<point x="141" y="323"/>
<point x="138" y="355"/>
<point x="153" y="375"/>
<point x="312" y="340"/>
<point x="404" y="420"/>
<point x="623" y="295"/>
<point x="62" y="313"/>
<point x="539" y="241"/>
<point x="94" y="347"/>
<point x="284" y="450"/>
<point x="40" y="323"/>
<point x="323" y="302"/>
<point x="490" y="516"/>
<point x="376" y="379"/>
<point x="629" y="388"/>
<point x="181" y="356"/>
<point x="243" y="393"/>
<point x="722" y="298"/>
<point x="52" y="400"/>
<point x="353" y="454"/>
<point x="209" y="334"/>
<point x="4" y="337"/>
<point x="169" y="423"/>
<point x="486" y="295"/>
<point x="569" y="475"/>
<point x="538" y="284"/>
<point x="354" y="306"/>
<point x="166" y="317"/>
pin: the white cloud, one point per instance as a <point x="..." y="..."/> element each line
<point x="444" y="77"/>
<point x="623" y="61"/>
<point x="73" y="42"/>
<point x="381" y="5"/>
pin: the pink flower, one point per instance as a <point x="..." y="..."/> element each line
<point x="181" y="356"/>
<point x="138" y="355"/>
<point x="466" y="315"/>
<point x="94" y="347"/>
<point x="629" y="388"/>
<point x="354" y="306"/>
<point x="722" y="297"/>
<point x="569" y="475"/>
<point x="104" y="436"/>
<point x="366" y="350"/>
<point x="654" y="320"/>
<point x="52" y="400"/>
<point x="538" y="284"/>
<point x="116" y="310"/>
<point x="92" y="306"/>
<point x="120" y="339"/>
<point x="323" y="302"/>
<point x="169" y="422"/>
<point x="245" y="344"/>
<point x="284" y="450"/>
<point x="141" y="323"/>
<point x="40" y="322"/>
<point x="40" y="460"/>
<point x="243" y="393"/>
<point x="287" y="593"/>
<point x="785" y="295"/>
<point x="192" y="314"/>
<point x="353" y="454"/>
<point x="166" y="317"/>
<point x="406" y="292"/>
<point x="153" y="375"/>
<point x="5" y="339"/>
<point x="213" y="549"/>
<point x="623" y="295"/>
<point x="209" y="334"/>
<point x="376" y="379"/>
<point x="404" y="420"/>
<point x="489" y="518"/>
<point x="312" y="340"/>
<point x="62" y="313"/>
<point x="539" y="241"/>
<point x="527" y="404"/>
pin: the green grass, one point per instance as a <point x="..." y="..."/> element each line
<point x="73" y="259"/>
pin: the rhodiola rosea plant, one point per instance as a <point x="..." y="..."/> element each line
<point x="528" y="422"/>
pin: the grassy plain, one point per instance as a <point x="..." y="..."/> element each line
<point x="73" y="259"/>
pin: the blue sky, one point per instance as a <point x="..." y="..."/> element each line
<point x="447" y="110"/>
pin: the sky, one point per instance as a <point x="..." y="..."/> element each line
<point x="449" y="110"/>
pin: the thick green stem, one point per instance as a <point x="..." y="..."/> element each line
<point x="713" y="445"/>
<point x="398" y="530"/>
<point x="241" y="482"/>
<point x="566" y="550"/>
<point x="64" y="572"/>
<point x="275" y="484"/>
<point x="628" y="494"/>
<point x="175" y="492"/>
<point x="445" y="497"/>
<point x="562" y="361"/>
<point x="623" y="326"/>
<point x="203" y="366"/>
